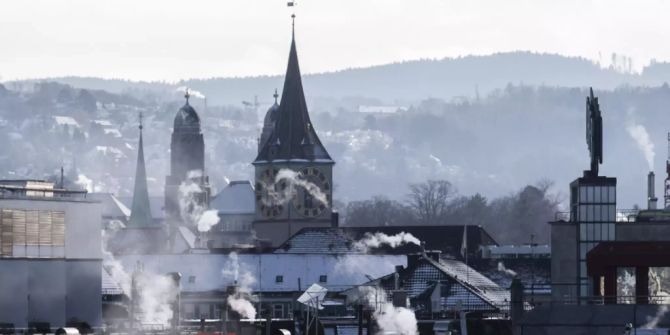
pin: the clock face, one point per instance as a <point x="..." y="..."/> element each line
<point x="269" y="194"/>
<point x="313" y="196"/>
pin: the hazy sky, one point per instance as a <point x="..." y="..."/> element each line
<point x="171" y="40"/>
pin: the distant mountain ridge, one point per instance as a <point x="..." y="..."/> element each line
<point x="408" y="81"/>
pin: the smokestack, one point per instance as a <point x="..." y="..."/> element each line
<point x="651" y="196"/>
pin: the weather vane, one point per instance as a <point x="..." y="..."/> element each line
<point x="292" y="4"/>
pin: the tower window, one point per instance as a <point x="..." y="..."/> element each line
<point x="323" y="279"/>
<point x="191" y="279"/>
<point x="279" y="279"/>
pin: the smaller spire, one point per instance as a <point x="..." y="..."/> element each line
<point x="275" y="96"/>
<point x="293" y="25"/>
<point x="187" y="96"/>
<point x="141" y="122"/>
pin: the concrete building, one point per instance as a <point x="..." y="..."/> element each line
<point x="50" y="256"/>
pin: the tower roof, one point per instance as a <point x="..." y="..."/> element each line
<point x="293" y="137"/>
<point x="140" y="215"/>
<point x="186" y="116"/>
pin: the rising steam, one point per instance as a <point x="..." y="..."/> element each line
<point x="639" y="133"/>
<point x="389" y="319"/>
<point x="241" y="301"/>
<point x="191" y="91"/>
<point x="191" y="208"/>
<point x="291" y="179"/>
<point x="155" y="294"/>
<point x="376" y="240"/>
<point x="503" y="269"/>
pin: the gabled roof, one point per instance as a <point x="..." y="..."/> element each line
<point x="236" y="198"/>
<point x="461" y="285"/>
<point x="294" y="137"/>
<point x="446" y="238"/>
<point x="111" y="206"/>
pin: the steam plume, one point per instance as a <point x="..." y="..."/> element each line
<point x="639" y="133"/>
<point x="293" y="179"/>
<point x="378" y="239"/>
<point x="652" y="322"/>
<point x="155" y="293"/>
<point x="503" y="269"/>
<point x="191" y="209"/>
<point x="241" y="301"/>
<point x="390" y="319"/>
<point x="191" y="91"/>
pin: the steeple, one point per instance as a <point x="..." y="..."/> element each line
<point x="140" y="215"/>
<point x="293" y="127"/>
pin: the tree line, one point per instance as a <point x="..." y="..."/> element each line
<point x="509" y="219"/>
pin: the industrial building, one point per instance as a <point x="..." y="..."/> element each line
<point x="50" y="256"/>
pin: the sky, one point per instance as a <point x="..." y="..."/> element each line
<point x="168" y="40"/>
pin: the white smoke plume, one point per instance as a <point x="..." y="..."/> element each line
<point x="241" y="301"/>
<point x="288" y="181"/>
<point x="652" y="322"/>
<point x="84" y="182"/>
<point x="389" y="319"/>
<point x="191" y="91"/>
<point x="190" y="207"/>
<point x="503" y="269"/>
<point x="639" y="133"/>
<point x="207" y="220"/>
<point x="155" y="293"/>
<point x="376" y="240"/>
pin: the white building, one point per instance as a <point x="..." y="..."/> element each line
<point x="50" y="255"/>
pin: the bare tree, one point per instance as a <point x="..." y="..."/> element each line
<point x="379" y="211"/>
<point x="430" y="200"/>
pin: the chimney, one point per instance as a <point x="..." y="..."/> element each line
<point x="334" y="219"/>
<point x="651" y="196"/>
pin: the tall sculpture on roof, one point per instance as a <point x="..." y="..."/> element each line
<point x="187" y="165"/>
<point x="594" y="133"/>
<point x="289" y="142"/>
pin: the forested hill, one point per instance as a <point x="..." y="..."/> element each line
<point x="411" y="81"/>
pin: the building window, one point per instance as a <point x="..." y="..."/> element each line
<point x="278" y="311"/>
<point x="323" y="279"/>
<point x="279" y="279"/>
<point x="191" y="279"/>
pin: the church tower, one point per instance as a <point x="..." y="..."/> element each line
<point x="187" y="166"/>
<point x="293" y="170"/>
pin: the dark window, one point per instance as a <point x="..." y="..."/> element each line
<point x="191" y="279"/>
<point x="279" y="279"/>
<point x="323" y="279"/>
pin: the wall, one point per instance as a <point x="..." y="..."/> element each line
<point x="643" y="231"/>
<point x="563" y="260"/>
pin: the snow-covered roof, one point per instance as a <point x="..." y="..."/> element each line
<point x="104" y="123"/>
<point x="112" y="131"/>
<point x="66" y="120"/>
<point x="208" y="274"/>
<point x="111" y="206"/>
<point x="236" y="198"/>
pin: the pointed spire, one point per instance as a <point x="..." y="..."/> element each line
<point x="275" y="96"/>
<point x="293" y="126"/>
<point x="140" y="215"/>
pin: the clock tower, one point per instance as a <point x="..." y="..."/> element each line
<point x="293" y="170"/>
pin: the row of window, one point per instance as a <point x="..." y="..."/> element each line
<point x="597" y="231"/>
<point x="597" y="213"/>
<point x="597" y="194"/>
<point x="214" y="310"/>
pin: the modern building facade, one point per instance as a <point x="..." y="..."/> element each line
<point x="50" y="256"/>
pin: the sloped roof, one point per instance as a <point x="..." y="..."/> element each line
<point x="446" y="238"/>
<point x="212" y="272"/>
<point x="294" y="137"/>
<point x="462" y="285"/>
<point x="111" y="205"/>
<point x="140" y="214"/>
<point x="236" y="198"/>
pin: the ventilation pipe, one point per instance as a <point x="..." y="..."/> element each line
<point x="651" y="196"/>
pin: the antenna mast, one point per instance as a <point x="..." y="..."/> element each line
<point x="667" y="179"/>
